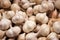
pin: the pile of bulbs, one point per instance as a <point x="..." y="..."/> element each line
<point x="29" y="19"/>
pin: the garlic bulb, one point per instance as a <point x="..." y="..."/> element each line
<point x="23" y="14"/>
<point x="10" y="14"/>
<point x="56" y="26"/>
<point x="15" y="7"/>
<point x="13" y="32"/>
<point x="5" y="3"/>
<point x="51" y="6"/>
<point x="19" y="17"/>
<point x="44" y="6"/>
<point x="2" y="33"/>
<point x="21" y="37"/>
<point x="29" y="11"/>
<point x="42" y="38"/>
<point x="36" y="9"/>
<point x="41" y="17"/>
<point x="31" y="36"/>
<point x="52" y="36"/>
<point x="29" y="26"/>
<point x="44" y="30"/>
<point x="57" y="4"/>
<point x="5" y="24"/>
